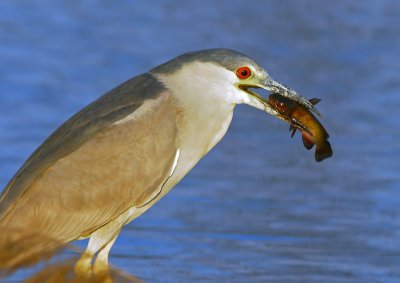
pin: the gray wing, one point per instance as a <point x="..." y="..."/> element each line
<point x="101" y="161"/>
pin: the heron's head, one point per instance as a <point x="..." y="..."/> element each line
<point x="223" y="76"/>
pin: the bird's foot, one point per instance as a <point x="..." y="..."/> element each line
<point x="83" y="267"/>
<point x="101" y="271"/>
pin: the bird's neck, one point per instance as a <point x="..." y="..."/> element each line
<point x="204" y="111"/>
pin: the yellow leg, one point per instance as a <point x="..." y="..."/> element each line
<point x="100" y="242"/>
<point x="101" y="269"/>
<point x="83" y="268"/>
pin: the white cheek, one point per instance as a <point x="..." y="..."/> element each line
<point x="237" y="95"/>
<point x="246" y="98"/>
<point x="243" y="97"/>
<point x="205" y="81"/>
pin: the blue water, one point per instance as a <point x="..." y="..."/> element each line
<point x="257" y="208"/>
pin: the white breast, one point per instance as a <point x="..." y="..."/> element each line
<point x="205" y="95"/>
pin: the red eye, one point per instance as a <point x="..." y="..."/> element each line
<point x="243" y="72"/>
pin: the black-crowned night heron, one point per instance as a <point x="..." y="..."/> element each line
<point x="119" y="155"/>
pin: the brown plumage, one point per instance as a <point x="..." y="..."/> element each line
<point x="34" y="202"/>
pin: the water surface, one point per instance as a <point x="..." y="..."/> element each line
<point x="257" y="208"/>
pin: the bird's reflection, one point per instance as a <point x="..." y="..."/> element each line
<point x="64" y="272"/>
<point x="22" y="249"/>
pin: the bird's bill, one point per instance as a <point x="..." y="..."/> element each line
<point x="272" y="86"/>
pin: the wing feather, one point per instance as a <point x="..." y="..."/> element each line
<point x="102" y="161"/>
